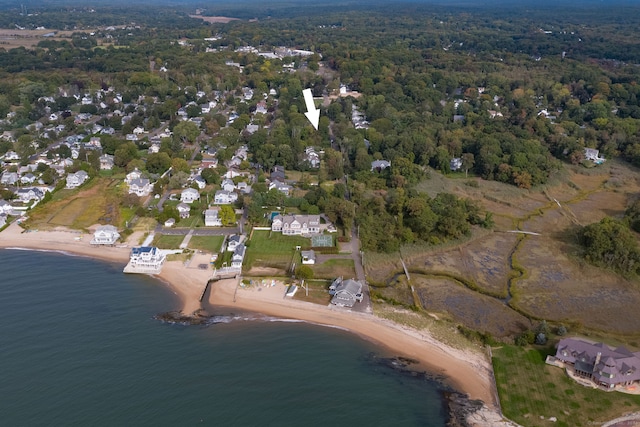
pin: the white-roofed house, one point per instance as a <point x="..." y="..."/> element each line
<point x="105" y="235"/>
<point x="234" y="241"/>
<point x="184" y="210"/>
<point x="189" y="195"/>
<point x="75" y="180"/>
<point x="296" y="225"/>
<point x="224" y="197"/>
<point x="211" y="217"/>
<point x="141" y="187"/>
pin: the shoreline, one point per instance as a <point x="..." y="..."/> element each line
<point x="465" y="372"/>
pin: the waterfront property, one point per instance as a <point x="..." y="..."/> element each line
<point x="296" y="225"/>
<point x="145" y="259"/>
<point x="600" y="365"/>
<point x="105" y="235"/>
<point x="345" y="292"/>
<point x="238" y="256"/>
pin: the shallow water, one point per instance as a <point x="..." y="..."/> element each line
<point x="80" y="346"/>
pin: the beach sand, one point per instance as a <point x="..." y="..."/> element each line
<point x="466" y="371"/>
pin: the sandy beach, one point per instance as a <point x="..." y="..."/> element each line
<point x="465" y="371"/>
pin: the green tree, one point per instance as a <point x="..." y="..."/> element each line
<point x="227" y="215"/>
<point x="186" y="132"/>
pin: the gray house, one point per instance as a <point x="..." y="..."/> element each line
<point x="607" y="367"/>
<point x="345" y="292"/>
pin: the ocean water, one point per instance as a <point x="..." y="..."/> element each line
<point x="80" y="347"/>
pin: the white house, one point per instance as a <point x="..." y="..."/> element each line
<point x="234" y="241"/>
<point x="5" y="207"/>
<point x="224" y="197"/>
<point x="238" y="256"/>
<point x="106" y="162"/>
<point x="281" y="187"/>
<point x="105" y="235"/>
<point x="9" y="178"/>
<point x="75" y="180"/>
<point x="455" y="163"/>
<point x="211" y="218"/>
<point x="200" y="182"/>
<point x="28" y="178"/>
<point x="145" y="259"/>
<point x="141" y="187"/>
<point x="25" y="195"/>
<point x="593" y="155"/>
<point x="296" y="225"/>
<point x="184" y="210"/>
<point x="170" y="222"/>
<point x="228" y="185"/>
<point x="134" y="174"/>
<point x="189" y="195"/>
<point x="308" y="257"/>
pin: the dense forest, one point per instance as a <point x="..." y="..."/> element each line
<point x="492" y="93"/>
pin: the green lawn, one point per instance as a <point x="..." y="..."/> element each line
<point x="192" y="222"/>
<point x="166" y="241"/>
<point x="275" y="251"/>
<point x="333" y="268"/>
<point x="529" y="388"/>
<point x="318" y="292"/>
<point x="211" y="244"/>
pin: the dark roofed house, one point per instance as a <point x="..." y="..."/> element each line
<point x="379" y="165"/>
<point x="606" y="367"/>
<point x="345" y="292"/>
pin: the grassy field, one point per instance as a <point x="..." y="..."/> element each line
<point x="98" y="202"/>
<point x="530" y="389"/>
<point x="318" y="292"/>
<point x="333" y="268"/>
<point x="192" y="222"/>
<point x="266" y="249"/>
<point x="211" y="244"/>
<point x="166" y="241"/>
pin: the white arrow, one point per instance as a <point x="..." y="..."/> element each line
<point x="312" y="114"/>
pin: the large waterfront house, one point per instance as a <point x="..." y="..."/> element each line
<point x="212" y="218"/>
<point x="296" y="225"/>
<point x="145" y="259"/>
<point x="345" y="292"/>
<point x="238" y="256"/>
<point x="75" y="180"/>
<point x="605" y="367"/>
<point x="105" y="235"/>
<point x="189" y="195"/>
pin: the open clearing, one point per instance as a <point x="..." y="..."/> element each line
<point x="98" y="203"/>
